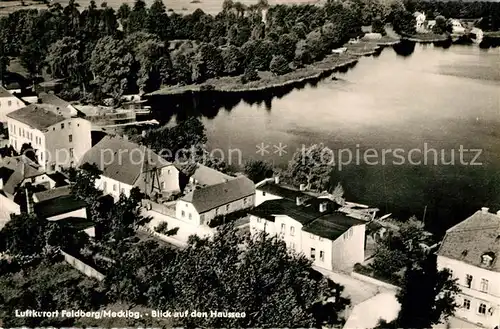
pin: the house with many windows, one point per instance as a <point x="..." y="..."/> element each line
<point x="331" y="239"/>
<point x="126" y="165"/>
<point x="59" y="140"/>
<point x="201" y="205"/>
<point x="470" y="250"/>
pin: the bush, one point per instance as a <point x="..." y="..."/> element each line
<point x="229" y="218"/>
<point x="250" y="75"/>
<point x="162" y="228"/>
<point x="279" y="65"/>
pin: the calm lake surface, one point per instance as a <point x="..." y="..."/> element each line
<point x="432" y="98"/>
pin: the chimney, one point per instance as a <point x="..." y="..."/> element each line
<point x="276" y="180"/>
<point x="298" y="201"/>
<point x="322" y="207"/>
<point x="485" y="210"/>
<point x="302" y="187"/>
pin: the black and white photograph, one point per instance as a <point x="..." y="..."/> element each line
<point x="330" y="164"/>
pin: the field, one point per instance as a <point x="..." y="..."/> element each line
<point x="180" y="6"/>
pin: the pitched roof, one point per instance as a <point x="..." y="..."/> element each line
<point x="208" y="176"/>
<point x="53" y="193"/>
<point x="210" y="197"/>
<point x="61" y="104"/>
<point x="59" y="178"/>
<point x="76" y="223"/>
<point x="13" y="170"/>
<point x="38" y="116"/>
<point x="469" y="240"/>
<point x="329" y="225"/>
<point x="122" y="160"/>
<point x="58" y="206"/>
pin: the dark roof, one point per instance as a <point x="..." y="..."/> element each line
<point x="78" y="223"/>
<point x="329" y="224"/>
<point x="39" y="116"/>
<point x="59" y="178"/>
<point x="283" y="191"/>
<point x="58" y="206"/>
<point x="210" y="197"/>
<point x="303" y="214"/>
<point x="53" y="193"/>
<point x="60" y="104"/>
<point x="13" y="170"/>
<point x="469" y="240"/>
<point x="11" y="179"/>
<point x="125" y="166"/>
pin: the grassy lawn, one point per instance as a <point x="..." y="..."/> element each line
<point x="429" y="37"/>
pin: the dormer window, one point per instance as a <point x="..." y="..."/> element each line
<point x="487" y="259"/>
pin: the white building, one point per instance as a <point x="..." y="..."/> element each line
<point x="419" y="22"/>
<point x="126" y="165"/>
<point x="58" y="139"/>
<point x="271" y="189"/>
<point x="330" y="238"/>
<point x="470" y="250"/>
<point x="457" y="27"/>
<point x="201" y="205"/>
<point x="8" y="103"/>
<point x="7" y="208"/>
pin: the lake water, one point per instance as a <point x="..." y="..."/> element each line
<point x="433" y="98"/>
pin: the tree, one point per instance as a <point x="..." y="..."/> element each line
<point x="279" y="65"/>
<point x="217" y="273"/>
<point x="111" y="65"/>
<point x="311" y="166"/>
<point x="286" y="46"/>
<point x="233" y="60"/>
<point x="316" y="45"/>
<point x="258" y="170"/>
<point x="155" y="65"/>
<point x="302" y="53"/>
<point x="427" y="297"/>
<point x="250" y="74"/>
<point x="378" y="26"/>
<point x="403" y="22"/>
<point x="138" y="18"/>
<point x="122" y="14"/>
<point x="158" y="21"/>
<point x="441" y="25"/>
<point x="207" y="63"/>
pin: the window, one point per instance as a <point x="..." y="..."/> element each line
<point x="41" y="156"/>
<point x="313" y="253"/>
<point x="53" y="128"/>
<point x="114" y="187"/>
<point x="466" y="304"/>
<point x="258" y="220"/>
<point x="202" y="219"/>
<point x="282" y="228"/>
<point x="23" y="132"/>
<point x="69" y="124"/>
<point x="263" y="193"/>
<point x="468" y="280"/>
<point x="71" y="154"/>
<point x="320" y="239"/>
<point x="168" y="172"/>
<point x="227" y="207"/>
<point x="122" y="191"/>
<point x="20" y="133"/>
<point x="312" y="237"/>
<point x="62" y="125"/>
<point x="292" y="230"/>
<point x="183" y="213"/>
<point x="321" y="256"/>
<point x="292" y="246"/>
<point x="482" y="309"/>
<point x="104" y="186"/>
<point x="162" y="185"/>
<point x="484" y="285"/>
<point x="9" y="103"/>
<point x="70" y="137"/>
<point x="190" y="216"/>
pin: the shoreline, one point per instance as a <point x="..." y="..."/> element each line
<point x="311" y="72"/>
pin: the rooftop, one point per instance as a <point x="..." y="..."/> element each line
<point x="38" y="116"/>
<point x="328" y="224"/>
<point x="58" y="206"/>
<point x="53" y="193"/>
<point x="122" y="160"/>
<point x="210" y="197"/>
<point x="4" y="92"/>
<point x="207" y="176"/>
<point x="286" y="192"/>
<point x="63" y="106"/>
<point x="77" y="223"/>
<point x="472" y="238"/>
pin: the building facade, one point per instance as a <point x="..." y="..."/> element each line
<point x="470" y="250"/>
<point x="58" y="141"/>
<point x="8" y="103"/>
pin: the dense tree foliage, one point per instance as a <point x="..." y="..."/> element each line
<point x="258" y="170"/>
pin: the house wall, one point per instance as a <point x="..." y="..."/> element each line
<point x="81" y="213"/>
<point x="9" y="104"/>
<point x="261" y="196"/>
<point x="349" y="248"/>
<point x="260" y="224"/>
<point x="168" y="181"/>
<point x="204" y="218"/>
<point x="491" y="298"/>
<point x="319" y="244"/>
<point x="283" y="227"/>
<point x="82" y="267"/>
<point x="64" y="151"/>
<point x="90" y="232"/>
<point x="20" y="133"/>
<point x="113" y="187"/>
